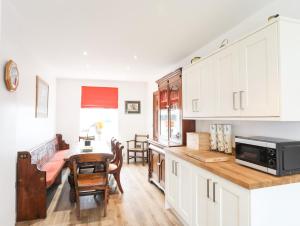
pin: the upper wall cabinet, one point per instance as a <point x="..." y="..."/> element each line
<point x="199" y="99"/>
<point x="253" y="78"/>
<point x="226" y="64"/>
<point x="259" y="78"/>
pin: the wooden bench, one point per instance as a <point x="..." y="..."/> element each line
<point x="37" y="170"/>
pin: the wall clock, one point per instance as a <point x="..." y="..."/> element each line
<point x="11" y="76"/>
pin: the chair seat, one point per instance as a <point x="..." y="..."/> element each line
<point x="91" y="181"/>
<point x="112" y="167"/>
<point x="137" y="149"/>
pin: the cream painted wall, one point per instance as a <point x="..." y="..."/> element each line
<point x="68" y="107"/>
<point x="8" y="143"/>
<point x="287" y="8"/>
<point x="19" y="129"/>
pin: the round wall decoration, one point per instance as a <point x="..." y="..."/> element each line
<point x="11" y="76"/>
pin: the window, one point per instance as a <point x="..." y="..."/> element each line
<point x="99" y="112"/>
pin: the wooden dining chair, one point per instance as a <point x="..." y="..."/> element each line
<point x="92" y="183"/>
<point x="138" y="146"/>
<point x="116" y="166"/>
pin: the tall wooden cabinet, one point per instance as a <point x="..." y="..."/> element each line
<point x="169" y="128"/>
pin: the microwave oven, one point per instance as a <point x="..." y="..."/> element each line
<point x="271" y="155"/>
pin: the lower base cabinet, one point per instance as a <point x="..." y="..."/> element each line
<point x="201" y="198"/>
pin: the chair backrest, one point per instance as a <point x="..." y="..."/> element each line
<point x="113" y="150"/>
<point x="140" y="138"/>
<point x="119" y="155"/>
<point x="113" y="144"/>
<point x="99" y="160"/>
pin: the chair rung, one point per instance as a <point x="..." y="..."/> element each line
<point x="86" y="193"/>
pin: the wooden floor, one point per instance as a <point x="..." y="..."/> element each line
<point x="141" y="204"/>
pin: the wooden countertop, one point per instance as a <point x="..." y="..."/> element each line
<point x="241" y="175"/>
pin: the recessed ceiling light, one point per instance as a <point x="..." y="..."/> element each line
<point x="135" y="57"/>
<point x="85" y="53"/>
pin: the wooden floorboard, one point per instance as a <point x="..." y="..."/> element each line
<point x="142" y="204"/>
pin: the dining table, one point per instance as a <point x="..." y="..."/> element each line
<point x="96" y="147"/>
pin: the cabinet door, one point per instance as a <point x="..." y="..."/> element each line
<point x="231" y="205"/>
<point x="190" y="91"/>
<point x="171" y="191"/>
<point x="184" y="174"/>
<point x="259" y="80"/>
<point x="200" y="200"/>
<point x="207" y="89"/>
<point x="227" y="71"/>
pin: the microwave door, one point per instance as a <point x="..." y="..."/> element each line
<point x="253" y="154"/>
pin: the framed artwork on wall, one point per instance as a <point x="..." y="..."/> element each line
<point x="42" y="97"/>
<point x="132" y="107"/>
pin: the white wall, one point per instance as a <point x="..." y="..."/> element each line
<point x="287" y="8"/>
<point x="69" y="100"/>
<point x="19" y="129"/>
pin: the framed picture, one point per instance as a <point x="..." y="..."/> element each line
<point x="132" y="107"/>
<point x="42" y="96"/>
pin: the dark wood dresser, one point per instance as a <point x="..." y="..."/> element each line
<point x="169" y="129"/>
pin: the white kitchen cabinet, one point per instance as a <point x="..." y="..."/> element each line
<point x="206" y="199"/>
<point x="203" y="199"/>
<point x="232" y="204"/>
<point x="178" y="187"/>
<point x="217" y="202"/>
<point x="259" y="78"/>
<point x="227" y="73"/>
<point x="207" y="90"/>
<point x="184" y="173"/>
<point x="199" y="99"/>
<point x="191" y="94"/>
<point x="172" y="182"/>
<point x="254" y="78"/>
<point x="200" y="201"/>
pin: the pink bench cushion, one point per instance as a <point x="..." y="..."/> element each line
<point x="52" y="169"/>
<point x="59" y="155"/>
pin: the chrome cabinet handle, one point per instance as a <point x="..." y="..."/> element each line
<point x="172" y="166"/>
<point x="176" y="168"/>
<point x="195" y="105"/>
<point x="207" y="188"/>
<point x="234" y="100"/>
<point x="214" y="191"/>
<point x="241" y="100"/>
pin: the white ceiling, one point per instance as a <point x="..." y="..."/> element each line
<point x="158" y="32"/>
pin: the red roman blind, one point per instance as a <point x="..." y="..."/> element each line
<point x="99" y="97"/>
